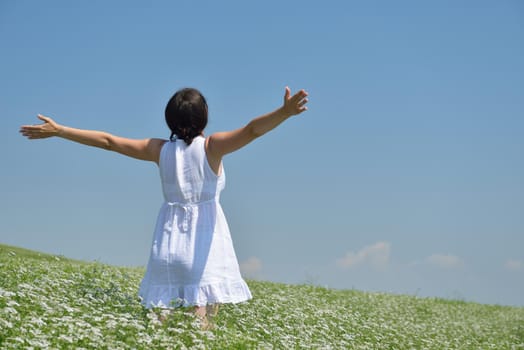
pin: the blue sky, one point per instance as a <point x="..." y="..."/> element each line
<point x="404" y="176"/>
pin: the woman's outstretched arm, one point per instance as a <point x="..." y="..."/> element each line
<point x="146" y="149"/>
<point x="222" y="143"/>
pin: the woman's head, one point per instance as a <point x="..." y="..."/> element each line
<point x="186" y="114"/>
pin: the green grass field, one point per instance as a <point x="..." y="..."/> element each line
<point x="51" y="302"/>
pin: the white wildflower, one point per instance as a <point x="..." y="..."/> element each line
<point x="12" y="303"/>
<point x="37" y="321"/>
<point x="66" y="338"/>
<point x="6" y="293"/>
<point x="10" y="310"/>
<point x="5" y="324"/>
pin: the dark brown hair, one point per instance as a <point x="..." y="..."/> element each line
<point x="186" y="114"/>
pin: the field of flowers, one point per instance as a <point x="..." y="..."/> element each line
<point x="50" y="302"/>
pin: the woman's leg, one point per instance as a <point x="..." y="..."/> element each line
<point x="212" y="310"/>
<point x="200" y="311"/>
<point x="164" y="314"/>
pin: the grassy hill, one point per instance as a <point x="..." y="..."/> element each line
<point x="52" y="302"/>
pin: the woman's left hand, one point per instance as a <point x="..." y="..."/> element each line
<point x="41" y="131"/>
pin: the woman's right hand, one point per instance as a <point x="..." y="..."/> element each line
<point x="41" y="131"/>
<point x="295" y="104"/>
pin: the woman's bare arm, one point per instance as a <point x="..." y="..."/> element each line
<point x="146" y="149"/>
<point x="222" y="143"/>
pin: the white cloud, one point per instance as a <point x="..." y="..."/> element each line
<point x="376" y="255"/>
<point x="514" y="265"/>
<point x="251" y="267"/>
<point x="445" y="261"/>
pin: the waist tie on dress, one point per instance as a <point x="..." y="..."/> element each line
<point x="187" y="212"/>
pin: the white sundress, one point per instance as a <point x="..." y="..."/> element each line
<point x="192" y="259"/>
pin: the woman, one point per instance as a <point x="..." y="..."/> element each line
<point x="192" y="260"/>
